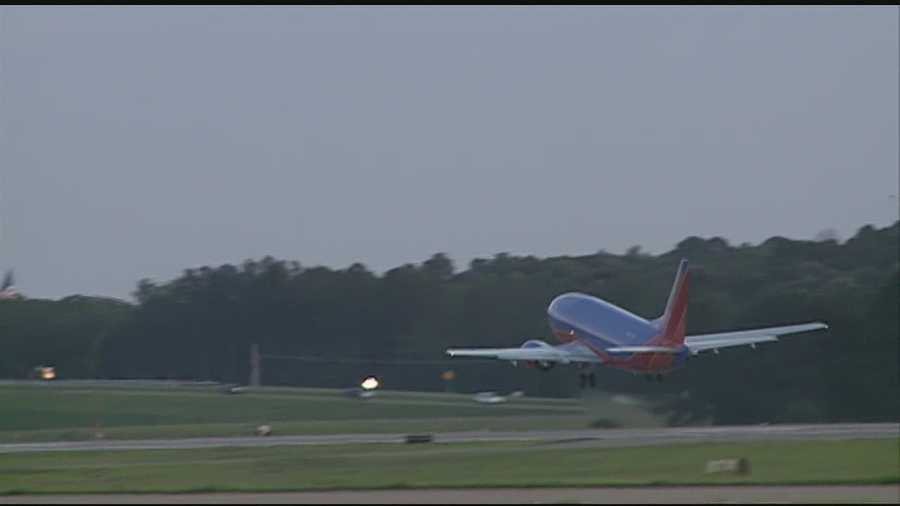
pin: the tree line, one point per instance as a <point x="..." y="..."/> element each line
<point x="325" y="327"/>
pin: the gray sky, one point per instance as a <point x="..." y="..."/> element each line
<point x="138" y="141"/>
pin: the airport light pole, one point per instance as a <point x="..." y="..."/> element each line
<point x="255" y="366"/>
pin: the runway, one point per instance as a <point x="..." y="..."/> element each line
<point x="836" y="494"/>
<point x="590" y="437"/>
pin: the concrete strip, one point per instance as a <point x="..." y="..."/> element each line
<point x="594" y="437"/>
<point x="624" y="495"/>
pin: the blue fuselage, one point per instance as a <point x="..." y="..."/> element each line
<point x="601" y="325"/>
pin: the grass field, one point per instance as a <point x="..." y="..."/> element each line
<point x="443" y="465"/>
<point x="73" y="412"/>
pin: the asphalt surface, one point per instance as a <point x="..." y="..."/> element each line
<point x="592" y="437"/>
<point x="838" y="494"/>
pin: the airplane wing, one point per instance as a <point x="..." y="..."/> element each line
<point x="564" y="354"/>
<point x="705" y="342"/>
<point x="643" y="349"/>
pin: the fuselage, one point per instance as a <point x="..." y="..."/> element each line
<point x="599" y="325"/>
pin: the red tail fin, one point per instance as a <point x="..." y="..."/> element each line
<point x="673" y="322"/>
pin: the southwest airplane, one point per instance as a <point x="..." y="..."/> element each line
<point x="595" y="332"/>
<point x="7" y="290"/>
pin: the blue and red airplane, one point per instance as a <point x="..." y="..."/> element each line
<point x="594" y="332"/>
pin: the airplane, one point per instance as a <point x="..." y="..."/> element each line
<point x="594" y="332"/>
<point x="7" y="289"/>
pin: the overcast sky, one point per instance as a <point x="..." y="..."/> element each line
<point x="138" y="141"/>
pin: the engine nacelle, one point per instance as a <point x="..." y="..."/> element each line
<point x="540" y="364"/>
<point x="543" y="365"/>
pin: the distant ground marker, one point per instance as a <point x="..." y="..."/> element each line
<point x="737" y="466"/>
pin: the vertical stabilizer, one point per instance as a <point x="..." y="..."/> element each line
<point x="673" y="322"/>
<point x="8" y="280"/>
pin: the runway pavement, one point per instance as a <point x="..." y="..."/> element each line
<point x="836" y="494"/>
<point x="592" y="437"/>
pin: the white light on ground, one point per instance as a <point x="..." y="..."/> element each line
<point x="369" y="383"/>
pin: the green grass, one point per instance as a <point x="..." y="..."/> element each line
<point x="43" y="408"/>
<point x="281" y="428"/>
<point x="443" y="465"/>
<point x="67" y="412"/>
<point x="61" y="412"/>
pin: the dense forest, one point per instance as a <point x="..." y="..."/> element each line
<point x="317" y="326"/>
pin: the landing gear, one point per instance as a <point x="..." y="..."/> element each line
<point x="586" y="379"/>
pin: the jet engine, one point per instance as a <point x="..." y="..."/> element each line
<point x="542" y="365"/>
